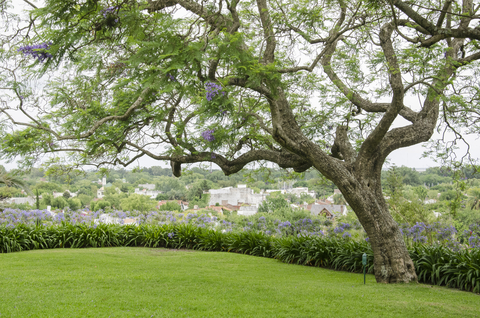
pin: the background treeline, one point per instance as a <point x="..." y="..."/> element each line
<point x="413" y="196"/>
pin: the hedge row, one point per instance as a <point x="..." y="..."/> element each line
<point x="434" y="264"/>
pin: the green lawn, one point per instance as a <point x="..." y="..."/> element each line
<point x="144" y="282"/>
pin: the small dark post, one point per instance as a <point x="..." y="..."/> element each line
<point x="364" y="262"/>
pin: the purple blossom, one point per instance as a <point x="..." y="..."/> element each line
<point x="212" y="90"/>
<point x="172" y="78"/>
<point x="346" y="234"/>
<point x="338" y="229"/>
<point x="474" y="241"/>
<point x="208" y="135"/>
<point x="213" y="156"/>
<point x="171" y="235"/>
<point x="285" y="224"/>
<point x="109" y="10"/>
<point x="38" y="51"/>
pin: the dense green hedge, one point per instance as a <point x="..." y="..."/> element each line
<point x="434" y="264"/>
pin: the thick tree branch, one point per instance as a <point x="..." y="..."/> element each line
<point x="354" y="97"/>
<point x="462" y="32"/>
<point x="445" y="8"/>
<point x="284" y="159"/>
<point x="342" y="148"/>
<point x="373" y="140"/>
<point x="269" y="36"/>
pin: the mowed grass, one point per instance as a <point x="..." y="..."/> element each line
<point x="147" y="282"/>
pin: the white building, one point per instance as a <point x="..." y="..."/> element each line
<point x="247" y="210"/>
<point x="296" y="191"/>
<point x="236" y="196"/>
<point x="151" y="193"/>
<point x="29" y="200"/>
<point x="147" y="186"/>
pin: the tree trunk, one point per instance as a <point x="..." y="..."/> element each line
<point x="392" y="262"/>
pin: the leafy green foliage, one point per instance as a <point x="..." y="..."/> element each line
<point x="434" y="264"/>
<point x="170" y="206"/>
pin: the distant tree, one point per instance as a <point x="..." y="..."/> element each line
<point x="448" y="195"/>
<point x="162" y="196"/>
<point x="85" y="199"/>
<point x="74" y="203"/>
<point x="409" y="176"/>
<point x="394" y="182"/>
<point x="169" y="183"/>
<point x="205" y="185"/>
<point x="273" y="203"/>
<point x="137" y="202"/>
<point x="421" y="192"/>
<point x="170" y="206"/>
<point x="300" y="184"/>
<point x="47" y="199"/>
<point x="195" y="192"/>
<point x="47" y="187"/>
<point x="102" y="205"/>
<point x="66" y="195"/>
<point x="59" y="203"/>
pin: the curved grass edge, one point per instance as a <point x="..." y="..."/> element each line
<point x="435" y="265"/>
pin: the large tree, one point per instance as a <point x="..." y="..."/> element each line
<point x="303" y="84"/>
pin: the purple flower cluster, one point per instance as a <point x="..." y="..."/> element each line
<point x="38" y="51"/>
<point x="13" y="217"/>
<point x="171" y="235"/>
<point x="212" y="90"/>
<point x="109" y="10"/>
<point x="338" y="230"/>
<point x="446" y="233"/>
<point x="284" y="224"/>
<point x="208" y="135"/>
<point x="474" y="241"/>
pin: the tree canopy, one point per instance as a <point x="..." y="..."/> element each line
<point x="303" y="84"/>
